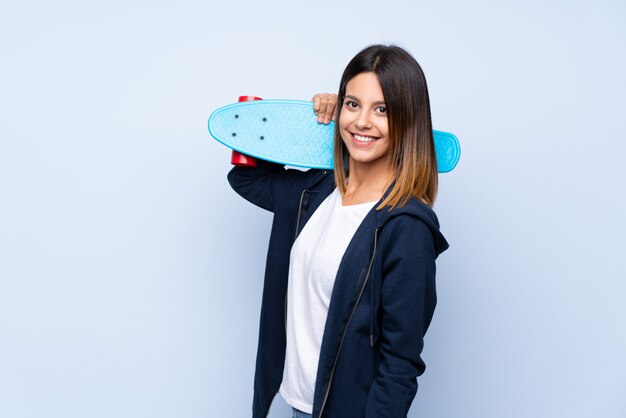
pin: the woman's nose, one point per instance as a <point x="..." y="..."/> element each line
<point x="363" y="120"/>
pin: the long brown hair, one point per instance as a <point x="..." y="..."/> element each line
<point x="411" y="147"/>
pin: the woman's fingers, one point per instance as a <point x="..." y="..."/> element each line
<point x="331" y="109"/>
<point x="324" y="106"/>
<point x="321" y="114"/>
<point x="316" y="103"/>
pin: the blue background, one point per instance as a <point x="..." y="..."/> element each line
<point x="131" y="275"/>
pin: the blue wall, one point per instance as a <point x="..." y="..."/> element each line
<point x="131" y="275"/>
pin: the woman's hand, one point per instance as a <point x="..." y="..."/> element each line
<point x="325" y="106"/>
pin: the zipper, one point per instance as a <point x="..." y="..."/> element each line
<point x="295" y="235"/>
<point x="332" y="371"/>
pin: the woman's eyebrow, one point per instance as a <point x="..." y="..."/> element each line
<point x="348" y="96"/>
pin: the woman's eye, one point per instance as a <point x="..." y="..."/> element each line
<point x="382" y="109"/>
<point x="351" y="104"/>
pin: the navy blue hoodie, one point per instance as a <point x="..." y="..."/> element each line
<point x="382" y="302"/>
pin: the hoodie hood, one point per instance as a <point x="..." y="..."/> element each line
<point x="418" y="210"/>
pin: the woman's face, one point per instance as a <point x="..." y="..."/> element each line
<point x="363" y="120"/>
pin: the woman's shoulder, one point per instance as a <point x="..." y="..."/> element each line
<point x="413" y="211"/>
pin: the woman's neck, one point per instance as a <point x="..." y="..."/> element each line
<point x="367" y="182"/>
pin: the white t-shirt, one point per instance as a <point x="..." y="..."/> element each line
<point x="313" y="265"/>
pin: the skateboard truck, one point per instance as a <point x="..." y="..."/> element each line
<point x="237" y="158"/>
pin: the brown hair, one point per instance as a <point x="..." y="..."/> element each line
<point x="411" y="147"/>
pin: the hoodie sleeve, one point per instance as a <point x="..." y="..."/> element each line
<point x="262" y="185"/>
<point x="408" y="301"/>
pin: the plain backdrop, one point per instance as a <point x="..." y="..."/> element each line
<point x="131" y="274"/>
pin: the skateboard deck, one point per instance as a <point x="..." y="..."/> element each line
<point x="287" y="132"/>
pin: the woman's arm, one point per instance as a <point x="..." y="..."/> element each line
<point x="256" y="184"/>
<point x="408" y="301"/>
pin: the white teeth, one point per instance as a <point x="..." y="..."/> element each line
<point x="363" y="138"/>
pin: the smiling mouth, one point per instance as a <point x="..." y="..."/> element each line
<point x="364" y="138"/>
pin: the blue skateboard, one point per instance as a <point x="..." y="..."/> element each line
<point x="287" y="132"/>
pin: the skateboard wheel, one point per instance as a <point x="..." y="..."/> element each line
<point x="248" y="98"/>
<point x="237" y="158"/>
<point x="242" y="160"/>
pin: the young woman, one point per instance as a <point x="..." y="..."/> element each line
<point x="349" y="286"/>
